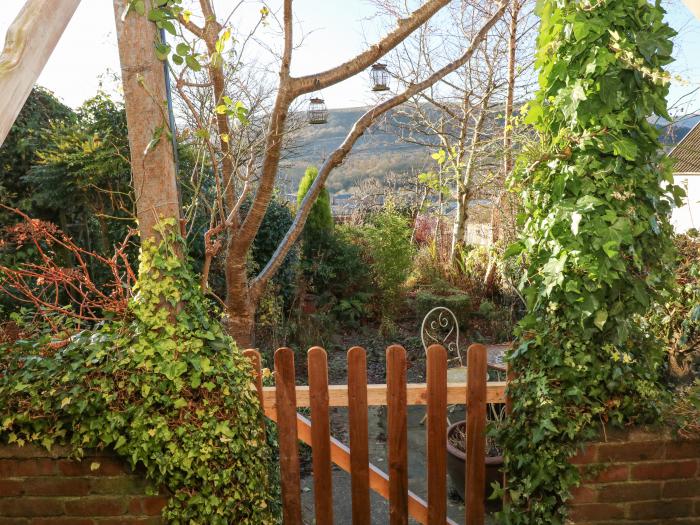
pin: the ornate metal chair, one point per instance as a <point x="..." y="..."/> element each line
<point x="440" y="326"/>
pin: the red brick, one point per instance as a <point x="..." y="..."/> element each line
<point x="665" y="470"/>
<point x="588" y="455"/>
<point x="135" y="506"/>
<point x="56" y="486"/>
<point x="584" y="494"/>
<point x="683" y="449"/>
<point x="596" y="511"/>
<point x="130" y="520"/>
<point x="96" y="506"/>
<point x="10" y="487"/>
<point x="153" y="505"/>
<point x="62" y="520"/>
<point x="108" y="467"/>
<point x="30" y="507"/>
<point x="622" y="492"/>
<point x="682" y="488"/>
<point x="661" y="509"/>
<point x="612" y="474"/>
<point x="31" y="451"/>
<point x="13" y="521"/>
<point x="119" y="485"/>
<point x="17" y="468"/>
<point x="642" y="451"/>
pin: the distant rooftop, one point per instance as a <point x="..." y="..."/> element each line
<point x="687" y="152"/>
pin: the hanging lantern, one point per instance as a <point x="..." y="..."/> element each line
<point x="380" y="77"/>
<point x="317" y="113"/>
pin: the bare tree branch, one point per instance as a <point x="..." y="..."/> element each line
<point x="339" y="155"/>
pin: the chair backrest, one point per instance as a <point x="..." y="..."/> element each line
<point x="440" y="326"/>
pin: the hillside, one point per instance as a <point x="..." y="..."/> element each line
<point x="376" y="154"/>
<point x="379" y="153"/>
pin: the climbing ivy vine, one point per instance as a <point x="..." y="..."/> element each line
<point x="597" y="194"/>
<point x="165" y="388"/>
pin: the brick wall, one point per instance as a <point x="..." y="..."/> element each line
<point x="639" y="477"/>
<point x="45" y="488"/>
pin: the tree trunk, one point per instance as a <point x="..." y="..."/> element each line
<point x="143" y="78"/>
<point x="240" y="302"/>
<point x="460" y="226"/>
<point x="490" y="277"/>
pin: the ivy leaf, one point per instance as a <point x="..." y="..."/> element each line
<point x="626" y="148"/>
<point x="575" y="221"/>
<point x="601" y="317"/>
<point x="157" y="134"/>
<point x="192" y="63"/>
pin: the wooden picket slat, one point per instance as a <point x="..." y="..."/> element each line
<point x="436" y="376"/>
<point x="397" y="438"/>
<point x="287" y="430"/>
<point x="320" y="435"/>
<point x="359" y="435"/>
<point x="476" y="435"/>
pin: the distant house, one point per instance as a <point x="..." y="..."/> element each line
<point x="686" y="173"/>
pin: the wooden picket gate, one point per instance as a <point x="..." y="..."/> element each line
<point x="280" y="404"/>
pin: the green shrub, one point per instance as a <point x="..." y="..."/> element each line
<point x="164" y="388"/>
<point x="675" y="321"/>
<point x="276" y="221"/>
<point x="387" y="245"/>
<point x="319" y="223"/>
<point x="459" y="302"/>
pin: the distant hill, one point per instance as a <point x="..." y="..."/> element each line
<point x="376" y="154"/>
<point x="379" y="153"/>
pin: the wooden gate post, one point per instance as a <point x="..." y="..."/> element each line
<point x="143" y="78"/>
<point x="29" y="43"/>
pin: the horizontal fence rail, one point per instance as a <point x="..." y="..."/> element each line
<point x="416" y="394"/>
<point x="281" y="402"/>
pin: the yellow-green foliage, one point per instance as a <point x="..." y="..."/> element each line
<point x="164" y="388"/>
<point x="320" y="218"/>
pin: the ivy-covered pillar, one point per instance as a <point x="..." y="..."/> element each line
<point x="597" y="194"/>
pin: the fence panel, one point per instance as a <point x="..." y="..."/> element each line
<point x="281" y="402"/>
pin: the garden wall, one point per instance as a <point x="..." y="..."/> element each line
<point x="45" y="488"/>
<point x="640" y="477"/>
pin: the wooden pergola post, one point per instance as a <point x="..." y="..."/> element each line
<point x="143" y="77"/>
<point x="29" y="43"/>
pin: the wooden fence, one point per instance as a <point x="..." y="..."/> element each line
<point x="280" y="404"/>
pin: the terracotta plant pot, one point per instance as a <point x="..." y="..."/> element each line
<point x="456" y="468"/>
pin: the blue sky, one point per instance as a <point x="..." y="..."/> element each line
<point x="336" y="30"/>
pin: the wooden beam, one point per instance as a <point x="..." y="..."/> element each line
<point x="416" y="394"/>
<point x="29" y="42"/>
<point x="143" y="78"/>
<point x="693" y="6"/>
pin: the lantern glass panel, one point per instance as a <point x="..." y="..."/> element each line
<point x="317" y="113"/>
<point x="380" y="77"/>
